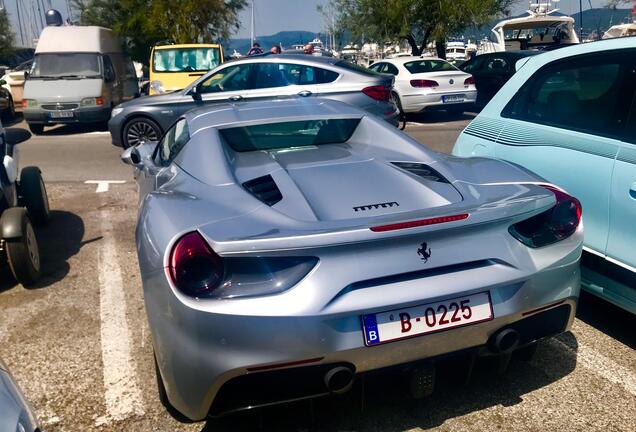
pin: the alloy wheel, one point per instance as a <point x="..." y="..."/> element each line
<point x="140" y="132"/>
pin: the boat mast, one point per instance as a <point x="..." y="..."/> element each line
<point x="252" y="26"/>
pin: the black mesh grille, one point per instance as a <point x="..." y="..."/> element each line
<point x="62" y="106"/>
<point x="421" y="170"/>
<point x="265" y="189"/>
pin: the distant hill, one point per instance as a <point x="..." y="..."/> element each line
<point x="284" y="38"/>
<point x="593" y="19"/>
<point x="601" y="18"/>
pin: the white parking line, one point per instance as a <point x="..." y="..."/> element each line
<point x="122" y="391"/>
<point x="103" y="185"/>
<point x="603" y="366"/>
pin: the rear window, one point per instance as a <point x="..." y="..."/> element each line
<point x="274" y="136"/>
<point x="423" y="66"/>
<point x="355" y="68"/>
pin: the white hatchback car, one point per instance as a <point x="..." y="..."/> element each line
<point x="427" y="83"/>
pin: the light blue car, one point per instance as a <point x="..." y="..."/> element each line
<point x="569" y="116"/>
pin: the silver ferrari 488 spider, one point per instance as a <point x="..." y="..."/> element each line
<point x="286" y="247"/>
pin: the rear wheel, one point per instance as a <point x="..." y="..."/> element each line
<point x="34" y="195"/>
<point x="36" y="129"/>
<point x="140" y="130"/>
<point x="396" y="99"/>
<point x="23" y="255"/>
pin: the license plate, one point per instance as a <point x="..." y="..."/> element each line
<point x="428" y="318"/>
<point x="61" y="114"/>
<point x="452" y="98"/>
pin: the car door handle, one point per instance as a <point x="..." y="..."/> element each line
<point x="304" y="93"/>
<point x="632" y="191"/>
<point x="235" y="98"/>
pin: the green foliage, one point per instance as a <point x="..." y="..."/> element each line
<point x="6" y="35"/>
<point x="144" y="22"/>
<point x="418" y="21"/>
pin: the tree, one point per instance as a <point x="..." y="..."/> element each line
<point x="6" y="35"/>
<point x="417" y="21"/>
<point x="142" y="23"/>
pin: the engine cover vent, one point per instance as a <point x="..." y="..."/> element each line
<point x="421" y="170"/>
<point x="264" y="189"/>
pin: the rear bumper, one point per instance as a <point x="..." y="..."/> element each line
<point x="426" y="101"/>
<point x="80" y="115"/>
<point x="201" y="353"/>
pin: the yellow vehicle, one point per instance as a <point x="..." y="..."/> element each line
<point x="173" y="67"/>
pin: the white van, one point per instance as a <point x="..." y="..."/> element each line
<point x="79" y="74"/>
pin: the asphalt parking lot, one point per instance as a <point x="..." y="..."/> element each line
<point x="79" y="343"/>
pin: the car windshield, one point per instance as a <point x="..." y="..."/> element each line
<point x="423" y="66"/>
<point x="274" y="136"/>
<point x="60" y="65"/>
<point x="186" y="59"/>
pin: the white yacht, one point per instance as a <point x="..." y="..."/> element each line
<point x="540" y="29"/>
<point x="622" y="30"/>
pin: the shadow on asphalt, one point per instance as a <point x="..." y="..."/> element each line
<point x="387" y="406"/>
<point x="72" y="129"/>
<point x="59" y="240"/>
<point x="607" y="318"/>
<point x="433" y="117"/>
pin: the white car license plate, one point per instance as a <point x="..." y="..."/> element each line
<point x="428" y="318"/>
<point x="61" y="114"/>
<point x="452" y="98"/>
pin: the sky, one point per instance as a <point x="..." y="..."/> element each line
<point x="272" y="16"/>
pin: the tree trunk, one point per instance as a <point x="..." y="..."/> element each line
<point x="427" y="34"/>
<point x="440" y="47"/>
<point x="414" y="48"/>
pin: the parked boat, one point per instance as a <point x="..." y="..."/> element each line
<point x="540" y="29"/>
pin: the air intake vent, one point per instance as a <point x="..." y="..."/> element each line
<point x="265" y="189"/>
<point x="421" y="170"/>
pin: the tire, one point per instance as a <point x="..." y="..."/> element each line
<point x="398" y="103"/>
<point x="139" y="130"/>
<point x="36" y="129"/>
<point x="23" y="255"/>
<point x="9" y="114"/>
<point x="34" y="196"/>
<point x="163" y="397"/>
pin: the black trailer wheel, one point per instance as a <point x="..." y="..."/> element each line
<point x="34" y="195"/>
<point x="23" y="255"/>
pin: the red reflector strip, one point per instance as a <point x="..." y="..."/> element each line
<point x="282" y="365"/>
<point x="419" y="223"/>
<point x="530" y="312"/>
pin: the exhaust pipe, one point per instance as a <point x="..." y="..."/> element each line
<point x="505" y="341"/>
<point x="339" y="379"/>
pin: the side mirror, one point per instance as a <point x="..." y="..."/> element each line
<point x="131" y="156"/>
<point x="26" y="75"/>
<point x="109" y="76"/>
<point x="15" y="136"/>
<point x="194" y="92"/>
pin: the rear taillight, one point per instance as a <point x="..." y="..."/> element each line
<point x="551" y="226"/>
<point x="424" y="83"/>
<point x="379" y="93"/>
<point x="469" y="81"/>
<point x="194" y="267"/>
<point x="197" y="271"/>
